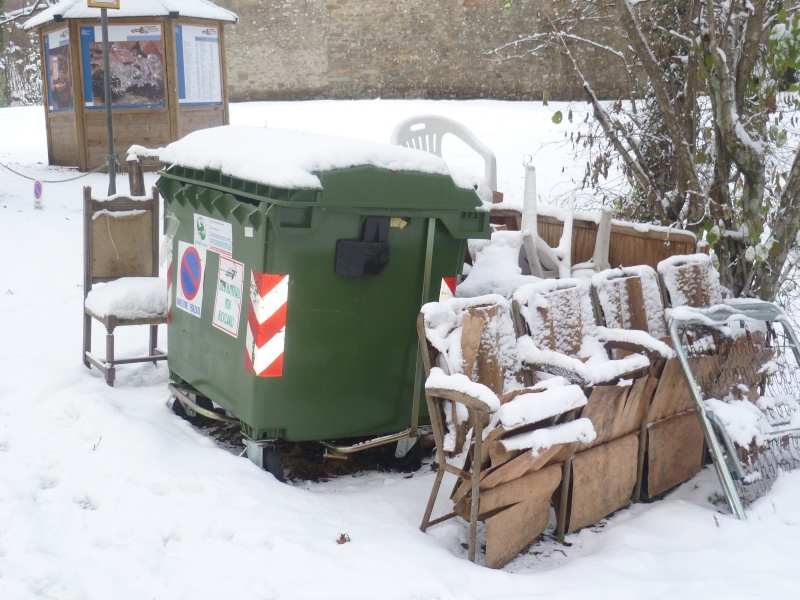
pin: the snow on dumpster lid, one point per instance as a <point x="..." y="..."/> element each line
<point x="288" y="159"/>
<point x="77" y="9"/>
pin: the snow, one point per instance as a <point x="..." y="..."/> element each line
<point x="78" y="9"/>
<point x="496" y="267"/>
<point x="129" y="298"/>
<point x="527" y="409"/>
<point x="462" y="384"/>
<point x="580" y="430"/>
<point x="106" y="495"/>
<point x="289" y="159"/>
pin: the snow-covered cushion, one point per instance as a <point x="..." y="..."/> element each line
<point x="129" y="298"/>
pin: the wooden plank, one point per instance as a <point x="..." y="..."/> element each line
<point x="513" y="529"/>
<point x="635" y="297"/>
<point x="630" y="413"/>
<point x="741" y="360"/>
<point x="223" y="66"/>
<point x="628" y="246"/>
<point x="517" y="467"/>
<point x="672" y="394"/>
<point x="171" y="76"/>
<point x="674" y="452"/>
<point x="520" y="489"/>
<point x="603" y="479"/>
<point x="472" y="326"/>
<point x="606" y="403"/>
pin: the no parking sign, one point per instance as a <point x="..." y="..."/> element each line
<point x="38" y="191"/>
<point x="191" y="266"/>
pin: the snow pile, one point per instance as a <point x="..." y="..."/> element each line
<point x="289" y="159"/>
<point x="496" y="267"/>
<point x="463" y="385"/>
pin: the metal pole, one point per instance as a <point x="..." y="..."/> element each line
<point x="111" y="158"/>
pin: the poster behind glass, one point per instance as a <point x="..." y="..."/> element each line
<point x="199" y="74"/>
<point x="136" y="54"/>
<point x="59" y="74"/>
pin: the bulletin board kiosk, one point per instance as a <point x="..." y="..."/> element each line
<point x="167" y="75"/>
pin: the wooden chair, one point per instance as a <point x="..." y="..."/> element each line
<point x="120" y="239"/>
<point x="691" y="280"/>
<point x="671" y="439"/>
<point x="564" y="338"/>
<point x="520" y="434"/>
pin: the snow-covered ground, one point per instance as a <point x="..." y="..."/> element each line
<point x="106" y="495"/>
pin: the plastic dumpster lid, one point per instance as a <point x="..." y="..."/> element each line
<point x="291" y="159"/>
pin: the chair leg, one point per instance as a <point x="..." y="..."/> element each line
<point x="426" y="518"/>
<point x="477" y="432"/>
<point x="153" y="341"/>
<point x="110" y="369"/>
<point x="87" y="337"/>
<point x="561" y="517"/>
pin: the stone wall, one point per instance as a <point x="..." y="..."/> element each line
<point x="304" y="49"/>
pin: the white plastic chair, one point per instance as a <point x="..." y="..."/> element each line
<point x="425" y="132"/>
<point x="547" y="262"/>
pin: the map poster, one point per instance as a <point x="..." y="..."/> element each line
<point x="59" y="73"/>
<point x="137" y="65"/>
<point x="199" y="74"/>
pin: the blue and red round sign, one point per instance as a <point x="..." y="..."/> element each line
<point x="37" y="190"/>
<point x="191" y="273"/>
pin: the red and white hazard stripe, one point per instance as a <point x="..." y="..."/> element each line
<point x="266" y="324"/>
<point x="448" y="288"/>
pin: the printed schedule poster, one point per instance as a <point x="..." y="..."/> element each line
<point x="59" y="75"/>
<point x="137" y="65"/>
<point x="199" y="75"/>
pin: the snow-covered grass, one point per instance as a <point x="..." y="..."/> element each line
<point x="106" y="495"/>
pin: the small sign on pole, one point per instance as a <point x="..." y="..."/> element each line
<point x="102" y="3"/>
<point x="38" y="190"/>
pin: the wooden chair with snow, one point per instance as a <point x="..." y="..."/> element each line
<point x="671" y="438"/>
<point x="120" y="243"/>
<point x="519" y="435"/>
<point x="563" y="338"/>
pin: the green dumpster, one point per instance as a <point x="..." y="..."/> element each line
<point x="299" y="265"/>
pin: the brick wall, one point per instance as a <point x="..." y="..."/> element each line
<point x="302" y="49"/>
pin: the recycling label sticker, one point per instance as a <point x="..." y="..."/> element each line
<point x="213" y="234"/>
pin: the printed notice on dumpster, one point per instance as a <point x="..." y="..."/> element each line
<point x="213" y="234"/>
<point x="192" y="265"/>
<point x="228" y="304"/>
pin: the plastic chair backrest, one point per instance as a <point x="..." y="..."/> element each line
<point x="425" y="132"/>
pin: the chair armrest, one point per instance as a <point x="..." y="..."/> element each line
<point x="635" y="341"/>
<point x="556" y="363"/>
<point x="460" y="388"/>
